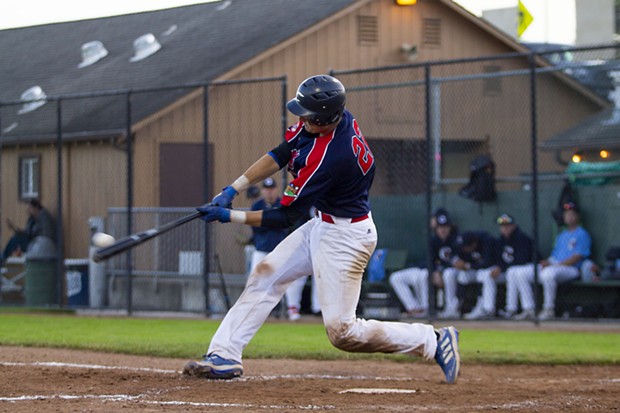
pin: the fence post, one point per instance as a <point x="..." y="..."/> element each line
<point x="207" y="195"/>
<point x="129" y="141"/>
<point x="59" y="205"/>
<point x="534" y="140"/>
<point x="429" y="184"/>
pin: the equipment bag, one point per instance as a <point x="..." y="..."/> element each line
<point x="481" y="185"/>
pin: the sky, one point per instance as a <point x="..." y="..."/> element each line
<point x="21" y="13"/>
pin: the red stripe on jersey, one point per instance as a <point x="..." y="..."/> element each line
<point x="313" y="162"/>
<point x="293" y="130"/>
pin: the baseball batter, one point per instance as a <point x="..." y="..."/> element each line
<point x="332" y="168"/>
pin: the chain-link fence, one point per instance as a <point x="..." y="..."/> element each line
<point x="477" y="138"/>
<point x="159" y="153"/>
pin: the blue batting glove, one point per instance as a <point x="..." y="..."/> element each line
<point x="225" y="198"/>
<point x="212" y="213"/>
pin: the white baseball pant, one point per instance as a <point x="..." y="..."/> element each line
<point x="336" y="255"/>
<point x="257" y="256"/>
<point x="405" y="282"/>
<point x="489" y="288"/>
<point x="452" y="276"/>
<point x="521" y="278"/>
<point x="295" y="291"/>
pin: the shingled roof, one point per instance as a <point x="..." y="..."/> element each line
<point x="599" y="131"/>
<point x="210" y="39"/>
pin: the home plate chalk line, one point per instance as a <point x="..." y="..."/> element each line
<point x="139" y="399"/>
<point x="244" y="378"/>
<point x="142" y="398"/>
<point x="377" y="391"/>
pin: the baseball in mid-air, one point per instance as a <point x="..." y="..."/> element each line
<point x="101" y="240"/>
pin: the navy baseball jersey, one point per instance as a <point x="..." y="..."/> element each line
<point x="485" y="255"/>
<point x="443" y="251"/>
<point x="515" y="250"/>
<point x="266" y="239"/>
<point x="332" y="173"/>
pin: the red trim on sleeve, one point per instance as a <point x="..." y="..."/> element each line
<point x="313" y="163"/>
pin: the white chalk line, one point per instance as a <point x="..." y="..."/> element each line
<point x="377" y="391"/>
<point x="139" y="399"/>
<point x="243" y="378"/>
<point x="88" y="366"/>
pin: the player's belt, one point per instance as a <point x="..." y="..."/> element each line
<point x="330" y="219"/>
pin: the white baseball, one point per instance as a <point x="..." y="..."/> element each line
<point x="101" y="239"/>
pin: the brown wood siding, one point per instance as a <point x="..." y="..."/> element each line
<point x="240" y="133"/>
<point x="94" y="179"/>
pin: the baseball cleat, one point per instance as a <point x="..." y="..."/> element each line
<point x="447" y="354"/>
<point x="524" y="315"/>
<point x="479" y="313"/>
<point x="546" y="314"/>
<point x="448" y="314"/>
<point x="214" y="367"/>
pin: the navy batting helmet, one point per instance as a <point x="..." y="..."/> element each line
<point x="320" y="98"/>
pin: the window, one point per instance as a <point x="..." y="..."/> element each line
<point x="29" y="177"/>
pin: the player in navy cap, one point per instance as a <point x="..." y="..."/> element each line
<point x="477" y="250"/>
<point x="265" y="239"/>
<point x="411" y="284"/>
<point x="515" y="249"/>
<point x="332" y="169"/>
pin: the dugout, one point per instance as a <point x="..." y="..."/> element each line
<point x="401" y="223"/>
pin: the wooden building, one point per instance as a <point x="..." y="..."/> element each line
<point x="239" y="39"/>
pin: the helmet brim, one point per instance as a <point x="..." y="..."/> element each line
<point x="295" y="108"/>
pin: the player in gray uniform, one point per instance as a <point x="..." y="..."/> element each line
<point x="333" y="169"/>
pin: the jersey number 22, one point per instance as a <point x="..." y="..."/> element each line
<point x="365" y="159"/>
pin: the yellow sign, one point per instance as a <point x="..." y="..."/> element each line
<point x="525" y="19"/>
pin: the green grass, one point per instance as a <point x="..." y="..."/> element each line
<point x="190" y="338"/>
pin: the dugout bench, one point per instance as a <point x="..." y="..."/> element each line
<point x="574" y="299"/>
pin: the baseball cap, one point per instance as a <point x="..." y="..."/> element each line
<point x="505" y="219"/>
<point x="443" y="219"/>
<point x="269" y="183"/>
<point x="440" y="211"/>
<point x="467" y="238"/>
<point x="570" y="206"/>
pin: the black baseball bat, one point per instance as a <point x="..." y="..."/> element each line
<point x="133" y="240"/>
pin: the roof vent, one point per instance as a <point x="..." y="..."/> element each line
<point x="34" y="98"/>
<point x="11" y="127"/>
<point x="170" y="30"/>
<point x="92" y="52"/>
<point x="224" y="5"/>
<point x="144" y="46"/>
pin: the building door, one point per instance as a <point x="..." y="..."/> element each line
<point x="181" y="175"/>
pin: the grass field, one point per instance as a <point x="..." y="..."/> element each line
<point x="189" y="339"/>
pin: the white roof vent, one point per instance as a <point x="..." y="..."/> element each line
<point x="92" y="52"/>
<point x="34" y="98"/>
<point x="11" y="127"/>
<point x="224" y="5"/>
<point x="144" y="46"/>
<point x="170" y="30"/>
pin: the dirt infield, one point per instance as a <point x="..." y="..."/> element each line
<point x="52" y="380"/>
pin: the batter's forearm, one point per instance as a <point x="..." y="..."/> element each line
<point x="261" y="169"/>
